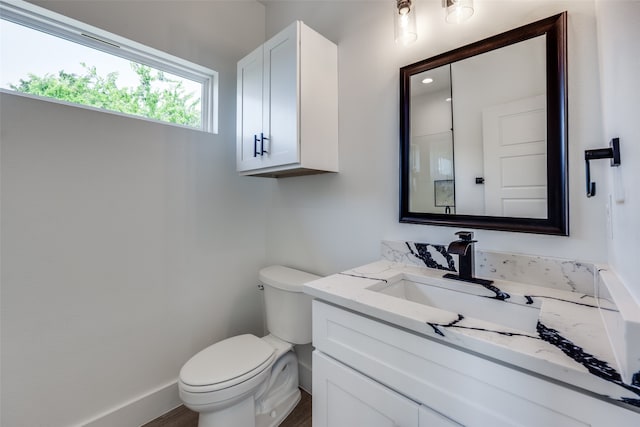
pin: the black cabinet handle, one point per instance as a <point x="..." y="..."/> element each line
<point x="262" y="139"/>
<point x="255" y="146"/>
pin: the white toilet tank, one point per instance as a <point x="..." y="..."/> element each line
<point x="288" y="309"/>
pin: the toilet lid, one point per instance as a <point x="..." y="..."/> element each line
<point x="230" y="359"/>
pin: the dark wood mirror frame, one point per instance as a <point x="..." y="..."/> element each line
<point x="557" y="221"/>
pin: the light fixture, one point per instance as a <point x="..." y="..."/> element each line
<point x="458" y="11"/>
<point x="427" y="80"/>
<point x="405" y="22"/>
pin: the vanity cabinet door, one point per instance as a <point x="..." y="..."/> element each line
<point x="344" y="398"/>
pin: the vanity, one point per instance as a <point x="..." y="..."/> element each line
<point x="396" y="344"/>
<point x="414" y="339"/>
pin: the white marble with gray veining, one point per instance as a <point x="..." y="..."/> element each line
<point x="557" y="273"/>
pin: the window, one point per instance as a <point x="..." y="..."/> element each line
<point x="50" y="55"/>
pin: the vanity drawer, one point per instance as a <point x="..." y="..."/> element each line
<point x="471" y="390"/>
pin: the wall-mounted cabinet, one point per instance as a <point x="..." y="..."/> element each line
<point x="287" y="106"/>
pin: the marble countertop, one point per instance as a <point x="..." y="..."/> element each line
<point x="569" y="345"/>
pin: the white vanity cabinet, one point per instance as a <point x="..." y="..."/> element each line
<point x="287" y="106"/>
<point x="371" y="373"/>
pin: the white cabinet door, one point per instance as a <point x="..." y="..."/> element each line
<point x="249" y="110"/>
<point x="280" y="120"/>
<point x="344" y="398"/>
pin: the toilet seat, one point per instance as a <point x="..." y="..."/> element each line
<point x="226" y="364"/>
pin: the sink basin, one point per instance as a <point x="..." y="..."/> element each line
<point x="469" y="300"/>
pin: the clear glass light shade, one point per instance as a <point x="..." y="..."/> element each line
<point x="405" y="22"/>
<point x="458" y="11"/>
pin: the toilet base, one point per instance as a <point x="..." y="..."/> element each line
<point x="280" y="412"/>
<point x="240" y="414"/>
<point x="243" y="413"/>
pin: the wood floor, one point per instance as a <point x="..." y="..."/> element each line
<point x="183" y="417"/>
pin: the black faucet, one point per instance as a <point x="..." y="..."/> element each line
<point x="466" y="257"/>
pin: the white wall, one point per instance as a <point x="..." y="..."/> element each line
<point x="430" y="141"/>
<point x="127" y="246"/>
<point x="430" y="113"/>
<point x="329" y="223"/>
<point x="618" y="35"/>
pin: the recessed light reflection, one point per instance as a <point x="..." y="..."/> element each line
<point x="448" y="99"/>
<point x="427" y="80"/>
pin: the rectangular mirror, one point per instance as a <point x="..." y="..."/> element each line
<point x="483" y="133"/>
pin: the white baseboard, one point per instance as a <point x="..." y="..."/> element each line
<point x="140" y="410"/>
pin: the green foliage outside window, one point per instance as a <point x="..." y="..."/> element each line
<point x="166" y="101"/>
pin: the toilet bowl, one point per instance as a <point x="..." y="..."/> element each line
<point x="246" y="381"/>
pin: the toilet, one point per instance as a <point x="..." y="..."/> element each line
<point x="247" y="381"/>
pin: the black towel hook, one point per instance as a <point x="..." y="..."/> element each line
<point x="613" y="153"/>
